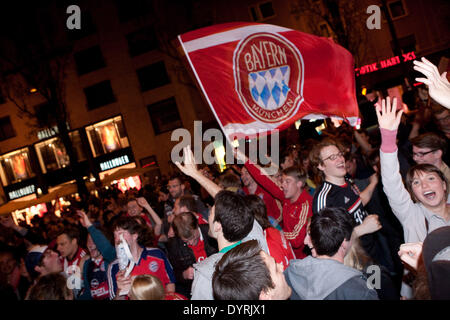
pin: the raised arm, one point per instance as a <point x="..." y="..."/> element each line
<point x="190" y="169"/>
<point x="399" y="198"/>
<point x="158" y="222"/>
<point x="260" y="176"/>
<point x="106" y="249"/>
<point x="367" y="193"/>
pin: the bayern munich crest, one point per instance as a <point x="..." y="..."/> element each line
<point x="268" y="73"/>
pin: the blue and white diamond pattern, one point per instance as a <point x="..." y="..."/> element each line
<point x="269" y="88"/>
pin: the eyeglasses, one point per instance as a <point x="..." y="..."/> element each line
<point x="334" y="156"/>
<point x="421" y="154"/>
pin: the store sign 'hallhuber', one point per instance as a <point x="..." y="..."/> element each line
<point x="113" y="163"/>
<point x="19" y="193"/>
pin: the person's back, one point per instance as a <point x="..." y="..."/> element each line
<point x="324" y="279"/>
<point x="230" y="222"/>
<point x="324" y="276"/>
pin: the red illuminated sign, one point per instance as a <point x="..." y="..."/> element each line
<point x="385" y="63"/>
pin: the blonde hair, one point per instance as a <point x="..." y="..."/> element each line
<point x="146" y="287"/>
<point x="357" y="257"/>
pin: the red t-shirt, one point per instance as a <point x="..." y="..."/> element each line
<point x="199" y="249"/>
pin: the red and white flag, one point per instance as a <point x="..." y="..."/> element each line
<point x="260" y="77"/>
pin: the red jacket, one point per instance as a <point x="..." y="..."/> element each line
<point x="279" y="248"/>
<point x="295" y="214"/>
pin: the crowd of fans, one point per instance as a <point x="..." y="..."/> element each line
<point x="351" y="214"/>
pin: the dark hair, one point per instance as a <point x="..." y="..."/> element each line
<point x="232" y="212"/>
<point x="329" y="228"/>
<point x="427" y="168"/>
<point x="188" y="201"/>
<point x="184" y="224"/>
<point x="178" y="176"/>
<point x="71" y="232"/>
<point x="230" y="180"/>
<point x="296" y="172"/>
<point x="135" y="225"/>
<point x="430" y="140"/>
<point x="314" y="155"/>
<point x="259" y="210"/>
<point x="241" y="274"/>
<point x="52" y="286"/>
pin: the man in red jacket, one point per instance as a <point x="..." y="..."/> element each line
<point x="297" y="202"/>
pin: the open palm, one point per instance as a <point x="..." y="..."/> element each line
<point x="387" y="116"/>
<point x="438" y="85"/>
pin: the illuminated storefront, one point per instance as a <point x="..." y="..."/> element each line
<point x="107" y="136"/>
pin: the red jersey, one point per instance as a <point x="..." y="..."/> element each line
<point x="269" y="201"/>
<point x="199" y="249"/>
<point x="74" y="262"/>
<point x="295" y="214"/>
<point x="200" y="219"/>
<point x="279" y="248"/>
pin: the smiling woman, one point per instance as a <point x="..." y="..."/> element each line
<point x="424" y="208"/>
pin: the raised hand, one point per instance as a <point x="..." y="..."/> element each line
<point x="438" y="85"/>
<point x="142" y="202"/>
<point x="84" y="219"/>
<point x="370" y="224"/>
<point x="386" y="113"/>
<point x="189" y="168"/>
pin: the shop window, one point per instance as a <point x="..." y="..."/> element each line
<point x="164" y="116"/>
<point x="107" y="136"/>
<point x="15" y="167"/>
<point x="141" y="41"/>
<point x="52" y="154"/>
<point x="89" y="60"/>
<point x="99" y="95"/>
<point x="6" y="129"/>
<point x="262" y="11"/>
<point x="153" y="76"/>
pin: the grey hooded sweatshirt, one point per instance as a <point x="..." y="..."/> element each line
<point x="203" y="271"/>
<point x="326" y="279"/>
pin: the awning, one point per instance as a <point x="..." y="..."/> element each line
<point x="126" y="172"/>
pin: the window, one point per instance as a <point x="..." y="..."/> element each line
<point x="99" y="94"/>
<point x="87" y="27"/>
<point x="396" y="9"/>
<point x="164" y="116"/>
<point x="262" y="11"/>
<point x="153" y="76"/>
<point x="142" y="41"/>
<point x="52" y="154"/>
<point x="89" y="60"/>
<point x="6" y="129"/>
<point x="15" y="167"/>
<point x="107" y="136"/>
